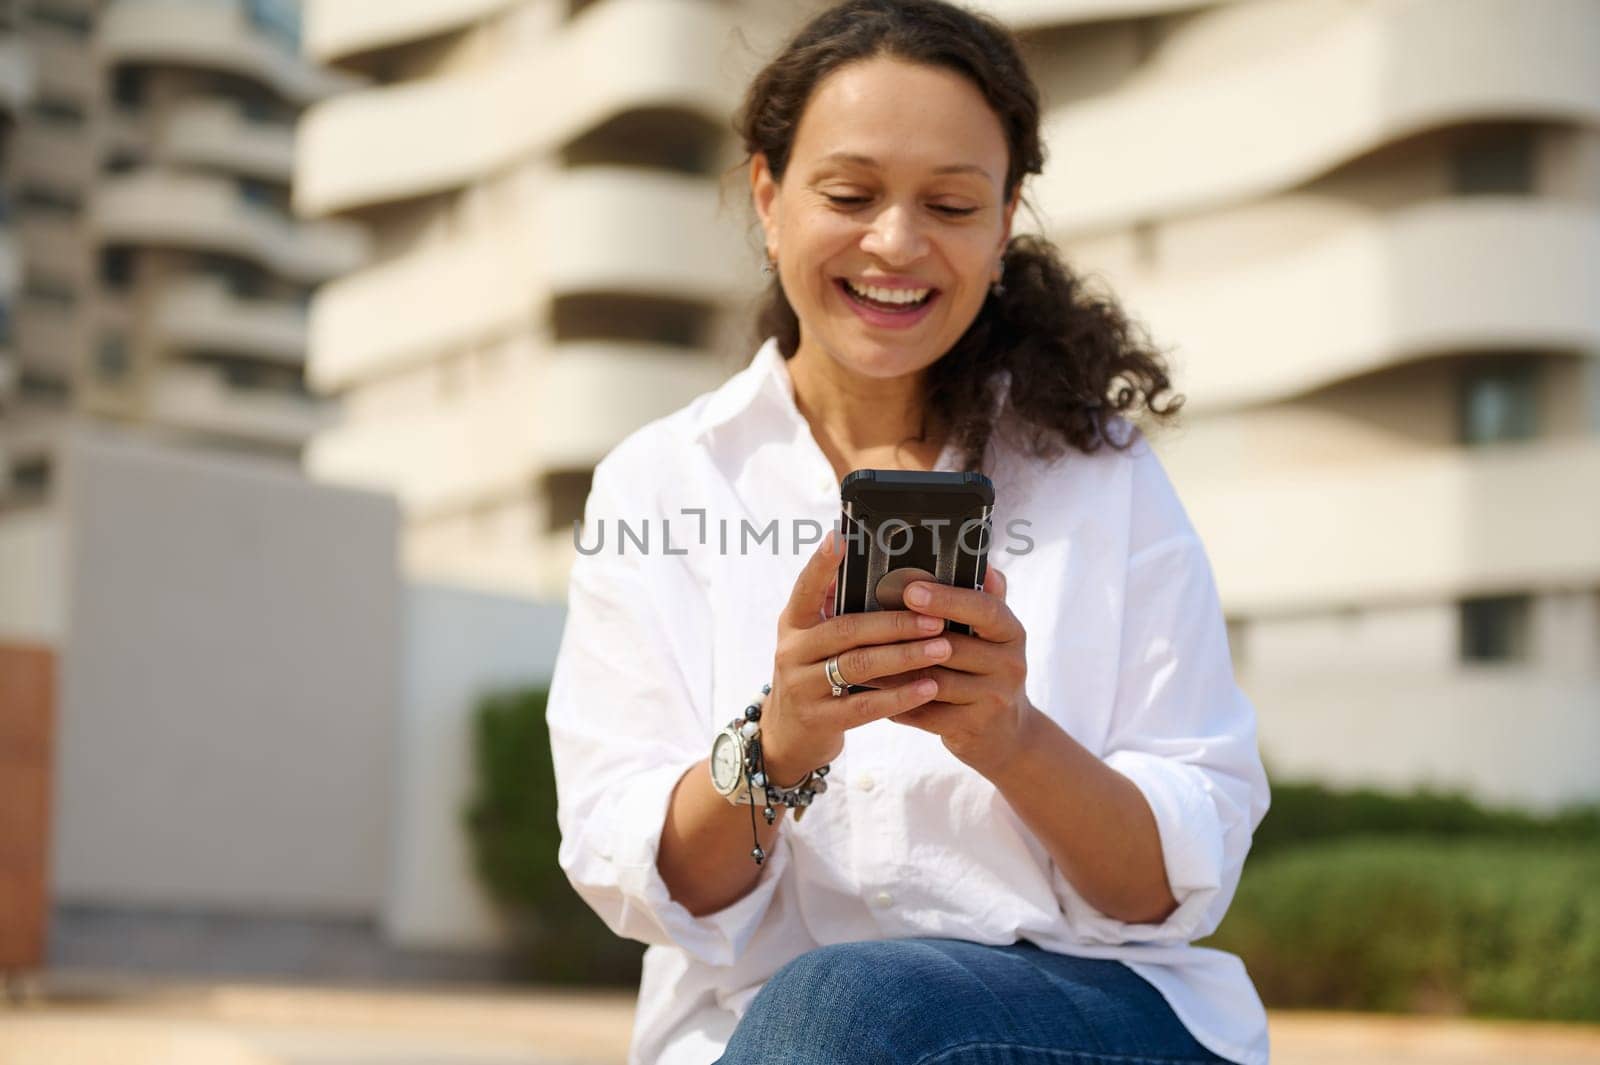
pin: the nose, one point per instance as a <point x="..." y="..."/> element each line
<point x="895" y="237"/>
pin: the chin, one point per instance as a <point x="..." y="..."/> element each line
<point x="870" y="359"/>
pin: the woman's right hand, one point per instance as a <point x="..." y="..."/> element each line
<point x="803" y="723"/>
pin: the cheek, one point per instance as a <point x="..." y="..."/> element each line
<point x="819" y="238"/>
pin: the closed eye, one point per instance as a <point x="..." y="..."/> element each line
<point x="851" y="202"/>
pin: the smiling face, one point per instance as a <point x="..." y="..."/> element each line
<point x="890" y="220"/>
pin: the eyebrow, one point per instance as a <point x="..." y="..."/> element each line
<point x="867" y="160"/>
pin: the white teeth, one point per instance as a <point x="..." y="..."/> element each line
<point x="889" y="295"/>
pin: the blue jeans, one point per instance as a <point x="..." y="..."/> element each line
<point x="951" y="1002"/>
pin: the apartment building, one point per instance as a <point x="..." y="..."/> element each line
<point x="1368" y="232"/>
<point x="554" y="261"/>
<point x="166" y="281"/>
<point x="16" y="89"/>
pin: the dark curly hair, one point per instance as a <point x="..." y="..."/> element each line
<point x="1075" y="360"/>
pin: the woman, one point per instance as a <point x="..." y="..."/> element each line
<point x="1026" y="826"/>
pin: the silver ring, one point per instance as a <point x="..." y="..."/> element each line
<point x="835" y="678"/>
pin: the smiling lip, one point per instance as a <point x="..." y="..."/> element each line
<point x="888" y="319"/>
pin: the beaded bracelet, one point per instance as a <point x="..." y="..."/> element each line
<point x="797" y="797"/>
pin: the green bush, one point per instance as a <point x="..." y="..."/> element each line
<point x="512" y="822"/>
<point x="1304" y="813"/>
<point x="1486" y="926"/>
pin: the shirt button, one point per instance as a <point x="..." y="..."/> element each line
<point x="883" y="900"/>
<point x="865" y="782"/>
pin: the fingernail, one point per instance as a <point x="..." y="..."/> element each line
<point x="926" y="688"/>
<point x="929" y="624"/>
<point x="936" y="648"/>
<point x="918" y="595"/>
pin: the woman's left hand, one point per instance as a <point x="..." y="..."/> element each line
<point x="981" y="710"/>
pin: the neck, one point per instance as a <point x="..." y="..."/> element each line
<point x="864" y="421"/>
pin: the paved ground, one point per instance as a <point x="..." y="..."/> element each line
<point x="98" y="1023"/>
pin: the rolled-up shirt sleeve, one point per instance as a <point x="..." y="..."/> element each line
<point x="1185" y="734"/>
<point x="628" y="716"/>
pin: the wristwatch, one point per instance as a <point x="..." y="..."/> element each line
<point x="736" y="770"/>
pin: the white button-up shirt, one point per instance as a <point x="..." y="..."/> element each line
<point x="672" y="628"/>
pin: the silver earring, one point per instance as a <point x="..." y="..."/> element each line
<point x="769" y="267"/>
<point x="997" y="287"/>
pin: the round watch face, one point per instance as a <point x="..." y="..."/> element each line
<point x="726" y="762"/>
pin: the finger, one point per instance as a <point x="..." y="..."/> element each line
<point x="804" y="608"/>
<point x="866" y="707"/>
<point x="994" y="582"/>
<point x="929" y="717"/>
<point x="862" y="664"/>
<point x="989" y="616"/>
<point x="828" y="597"/>
<point x="974" y="654"/>
<point x="840" y="634"/>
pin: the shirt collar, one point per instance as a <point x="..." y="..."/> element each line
<point x="765" y="380"/>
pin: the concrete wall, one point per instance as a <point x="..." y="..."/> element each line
<point x="459" y="645"/>
<point x="33" y="587"/>
<point x="1504" y="735"/>
<point x="229" y="678"/>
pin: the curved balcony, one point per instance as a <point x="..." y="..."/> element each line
<point x="190" y="211"/>
<point x="337" y="29"/>
<point x="52" y="156"/>
<point x="63" y="68"/>
<point x="598" y="229"/>
<point x="621" y="55"/>
<point x="49" y="339"/>
<point x="594" y="394"/>
<point x="196" y="399"/>
<point x="209" y="36"/>
<point x="568" y="411"/>
<point x="1034" y="14"/>
<point x="1437" y="527"/>
<point x="199" y="314"/>
<point x="1380" y="73"/>
<point x="215" y="134"/>
<point x="1453" y="275"/>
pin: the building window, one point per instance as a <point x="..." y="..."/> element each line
<point x="565" y="494"/>
<point x="1498" y="404"/>
<point x="59" y="294"/>
<point x="1495" y="628"/>
<point x="116" y="266"/>
<point x="42" y="388"/>
<point x="111" y="359"/>
<point x="46" y="200"/>
<point x="1499" y="163"/>
<point x="55" y="111"/>
<point x="67" y="20"/>
<point x="31" y="476"/>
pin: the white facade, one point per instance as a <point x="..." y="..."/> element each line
<point x="1370" y="235"/>
<point x="558" y="266"/>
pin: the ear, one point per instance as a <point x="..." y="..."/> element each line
<point x="1006" y="217"/>
<point x="764" y="192"/>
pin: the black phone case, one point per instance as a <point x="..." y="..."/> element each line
<point x="892" y="519"/>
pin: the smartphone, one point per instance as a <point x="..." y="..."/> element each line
<point x="934" y="521"/>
